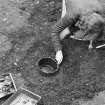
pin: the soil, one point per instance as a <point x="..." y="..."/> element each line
<point x="28" y="28"/>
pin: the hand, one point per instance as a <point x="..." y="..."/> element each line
<point x="59" y="56"/>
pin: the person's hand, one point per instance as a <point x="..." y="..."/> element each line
<point x="59" y="56"/>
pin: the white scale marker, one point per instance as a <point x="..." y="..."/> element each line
<point x="100" y="46"/>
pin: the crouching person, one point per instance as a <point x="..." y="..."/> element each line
<point x="84" y="14"/>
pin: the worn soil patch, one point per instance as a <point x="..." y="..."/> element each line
<point x="81" y="75"/>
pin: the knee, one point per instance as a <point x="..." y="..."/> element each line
<point x="64" y="33"/>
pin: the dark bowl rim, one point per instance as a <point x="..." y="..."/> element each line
<point x="55" y="70"/>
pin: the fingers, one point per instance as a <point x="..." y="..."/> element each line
<point x="59" y="56"/>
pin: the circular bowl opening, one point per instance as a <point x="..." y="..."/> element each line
<point x="48" y="65"/>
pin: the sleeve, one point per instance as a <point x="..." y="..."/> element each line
<point x="58" y="27"/>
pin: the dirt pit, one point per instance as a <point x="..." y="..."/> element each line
<point x="27" y="24"/>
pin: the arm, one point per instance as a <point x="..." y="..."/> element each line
<point x="58" y="27"/>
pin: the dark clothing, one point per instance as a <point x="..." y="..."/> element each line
<point x="58" y="27"/>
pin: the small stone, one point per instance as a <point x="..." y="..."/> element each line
<point x="41" y="80"/>
<point x="80" y="56"/>
<point x="17" y="60"/>
<point x="15" y="63"/>
<point x="37" y="2"/>
<point x="87" y="84"/>
<point x="5" y="19"/>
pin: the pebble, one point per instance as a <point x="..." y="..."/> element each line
<point x="15" y="63"/>
<point x="5" y="19"/>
